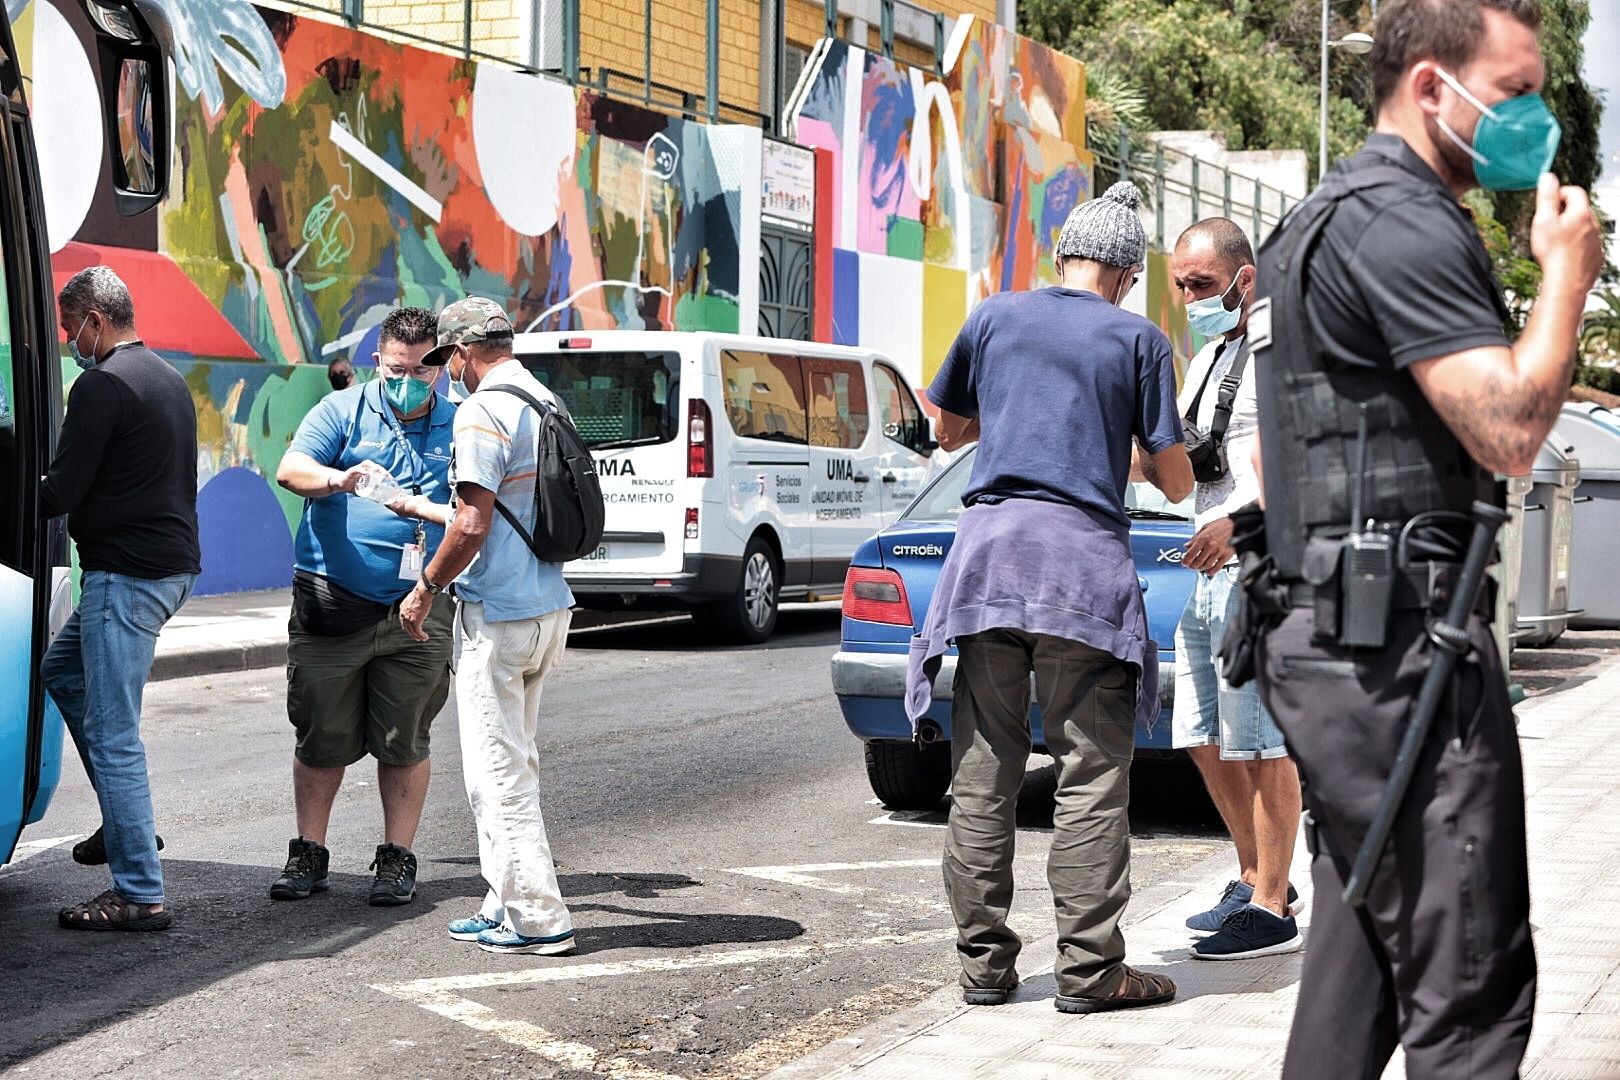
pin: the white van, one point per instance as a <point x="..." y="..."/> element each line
<point x="738" y="471"/>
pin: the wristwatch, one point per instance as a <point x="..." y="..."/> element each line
<point x="432" y="589"/>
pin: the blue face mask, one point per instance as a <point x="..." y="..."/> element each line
<point x="1514" y="142"/>
<point x="85" y="362"/>
<point x="405" y="393"/>
<point x="1210" y="316"/>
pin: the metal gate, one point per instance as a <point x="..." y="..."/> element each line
<point x="786" y="284"/>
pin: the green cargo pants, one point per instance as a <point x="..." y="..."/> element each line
<point x="1088" y="705"/>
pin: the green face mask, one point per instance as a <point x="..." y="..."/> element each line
<point x="1514" y="142"/>
<point x="405" y="393"/>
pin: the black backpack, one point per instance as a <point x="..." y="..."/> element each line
<point x="568" y="509"/>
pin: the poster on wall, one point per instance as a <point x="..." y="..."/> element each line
<point x="788" y="184"/>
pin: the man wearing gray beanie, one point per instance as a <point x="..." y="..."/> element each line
<point x="1055" y="385"/>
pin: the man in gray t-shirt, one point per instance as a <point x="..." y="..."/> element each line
<point x="512" y="618"/>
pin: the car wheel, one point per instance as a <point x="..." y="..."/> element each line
<point x="749" y="615"/>
<point x="904" y="777"/>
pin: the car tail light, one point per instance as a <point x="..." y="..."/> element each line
<point x="877" y="596"/>
<point x="699" y="448"/>
<point x="576" y="343"/>
<point x="691" y="523"/>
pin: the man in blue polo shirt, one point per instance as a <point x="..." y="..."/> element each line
<point x="356" y="682"/>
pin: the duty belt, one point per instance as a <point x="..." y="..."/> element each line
<point x="1417" y="587"/>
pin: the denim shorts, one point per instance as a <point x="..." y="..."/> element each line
<point x="1208" y="712"/>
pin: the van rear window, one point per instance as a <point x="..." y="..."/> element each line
<point x="617" y="398"/>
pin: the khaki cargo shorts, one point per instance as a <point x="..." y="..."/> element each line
<point x="375" y="691"/>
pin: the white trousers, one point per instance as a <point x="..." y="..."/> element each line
<point x="500" y="670"/>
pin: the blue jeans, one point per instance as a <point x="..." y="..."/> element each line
<point x="1208" y="711"/>
<point x="95" y="671"/>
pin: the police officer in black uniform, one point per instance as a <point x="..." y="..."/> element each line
<point x="1389" y="394"/>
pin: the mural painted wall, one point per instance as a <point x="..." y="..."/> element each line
<point x="942" y="190"/>
<point x="323" y="176"/>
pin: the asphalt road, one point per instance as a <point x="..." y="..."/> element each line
<point x="738" y="897"/>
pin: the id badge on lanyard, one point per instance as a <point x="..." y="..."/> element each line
<point x="412" y="556"/>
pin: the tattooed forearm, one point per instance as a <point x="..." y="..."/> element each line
<point x="1501" y="418"/>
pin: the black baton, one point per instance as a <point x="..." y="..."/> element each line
<point x="1450" y="638"/>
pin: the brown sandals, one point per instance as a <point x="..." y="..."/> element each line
<point x="110" y="911"/>
<point x="1135" y="990"/>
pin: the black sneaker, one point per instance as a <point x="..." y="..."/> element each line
<point x="304" y="873"/>
<point x="92" y="850"/>
<point x="1249" y="932"/>
<point x="396" y="876"/>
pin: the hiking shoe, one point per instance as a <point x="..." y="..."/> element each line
<point x="1236" y="897"/>
<point x="1249" y="932"/>
<point x="396" y="876"/>
<point x="1136" y="989"/>
<point x="92" y="850"/>
<point x="988" y="995"/>
<point x="304" y="873"/>
<point x="469" y="929"/>
<point x="504" y="939"/>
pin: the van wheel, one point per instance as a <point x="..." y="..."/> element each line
<point x="749" y="615"/>
<point x="904" y="777"/>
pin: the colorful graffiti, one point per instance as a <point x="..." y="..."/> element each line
<point x="323" y="176"/>
<point x="943" y="191"/>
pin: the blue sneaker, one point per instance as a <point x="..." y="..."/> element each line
<point x="1235" y="898"/>
<point x="503" y="939"/>
<point x="469" y="929"/>
<point x="1250" y="932"/>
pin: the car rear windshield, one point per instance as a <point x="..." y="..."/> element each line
<point x="617" y="398"/>
<point x="942" y="500"/>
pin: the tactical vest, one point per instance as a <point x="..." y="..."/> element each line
<point x="1310" y="409"/>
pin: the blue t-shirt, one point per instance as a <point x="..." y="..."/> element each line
<point x="352" y="541"/>
<point x="1060" y="380"/>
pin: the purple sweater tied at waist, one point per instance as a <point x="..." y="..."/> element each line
<point x="1044" y="568"/>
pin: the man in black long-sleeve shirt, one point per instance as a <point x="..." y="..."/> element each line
<point x="125" y="474"/>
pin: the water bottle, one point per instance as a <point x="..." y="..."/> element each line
<point x="378" y="484"/>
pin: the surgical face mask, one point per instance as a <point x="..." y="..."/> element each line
<point x="405" y="393"/>
<point x="459" y="391"/>
<point x="1514" y="142"/>
<point x="1211" y="317"/>
<point x="85" y="362"/>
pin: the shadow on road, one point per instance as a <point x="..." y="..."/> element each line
<point x="60" y="985"/>
<point x="679" y="632"/>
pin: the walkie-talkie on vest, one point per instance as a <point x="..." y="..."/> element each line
<point x="1367" y="567"/>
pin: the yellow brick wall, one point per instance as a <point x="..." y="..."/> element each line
<point x="612" y="36"/>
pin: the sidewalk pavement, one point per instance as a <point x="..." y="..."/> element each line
<point x="230" y="632"/>
<point x="1230" y="1020"/>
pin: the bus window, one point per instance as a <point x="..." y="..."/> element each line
<point x="12" y="548"/>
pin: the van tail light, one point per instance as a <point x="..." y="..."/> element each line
<point x="699" y="446"/>
<point x="691" y="523"/>
<point x="876" y="596"/>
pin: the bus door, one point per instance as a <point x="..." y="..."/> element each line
<point x="34" y="594"/>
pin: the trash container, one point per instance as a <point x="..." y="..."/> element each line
<point x="1594" y="552"/>
<point x="1544" y="613"/>
<point x="1510" y="543"/>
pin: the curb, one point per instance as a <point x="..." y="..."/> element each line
<point x="218" y="659"/>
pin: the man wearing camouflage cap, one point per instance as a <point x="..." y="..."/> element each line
<point x="512" y="617"/>
<point x="1055" y="385"/>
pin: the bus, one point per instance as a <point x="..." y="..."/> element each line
<point x="132" y="50"/>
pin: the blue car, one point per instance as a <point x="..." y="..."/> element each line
<point x="886" y="595"/>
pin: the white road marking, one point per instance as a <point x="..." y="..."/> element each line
<point x="912" y="818"/>
<point x="805" y="876"/>
<point x="368" y="158"/>
<point x="29" y="848"/>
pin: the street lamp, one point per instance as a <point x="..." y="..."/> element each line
<point x="1357" y="44"/>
